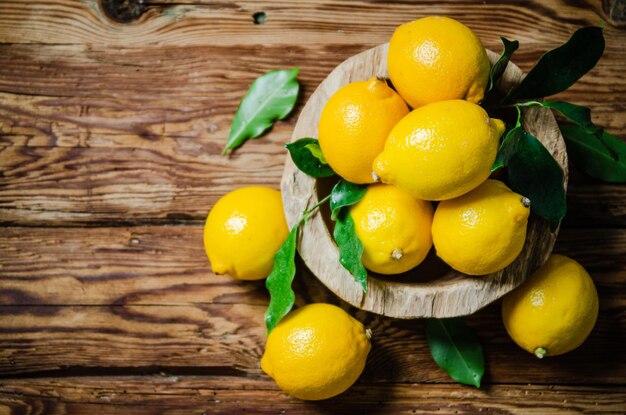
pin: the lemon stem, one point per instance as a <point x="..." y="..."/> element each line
<point x="307" y="213"/>
<point x="526" y="202"/>
<point x="540" y="352"/>
<point x="397" y="254"/>
<point x="368" y="333"/>
<point x="375" y="177"/>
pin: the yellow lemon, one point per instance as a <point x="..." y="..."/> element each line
<point x="243" y="231"/>
<point x="482" y="231"/>
<point x="554" y="311"/>
<point x="394" y="229"/>
<point x="441" y="150"/>
<point x="316" y="352"/>
<point x="436" y="59"/>
<point x="354" y="125"/>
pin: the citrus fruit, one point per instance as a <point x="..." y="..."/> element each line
<point x="554" y="311"/>
<point x="316" y="352"/>
<point x="441" y="150"/>
<point x="482" y="231"/>
<point x="243" y="231"/>
<point x="435" y="59"/>
<point x="393" y="227"/>
<point x="354" y="125"/>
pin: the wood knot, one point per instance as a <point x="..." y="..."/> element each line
<point x="123" y="11"/>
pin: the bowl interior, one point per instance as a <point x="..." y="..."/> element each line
<point x="432" y="289"/>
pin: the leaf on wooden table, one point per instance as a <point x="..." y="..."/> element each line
<point x="350" y="248"/>
<point x="307" y="156"/>
<point x="456" y="349"/>
<point x="533" y="172"/>
<point x="271" y="97"/>
<point x="498" y="68"/>
<point x="560" y="68"/>
<point x="279" y="281"/>
<point x="345" y="193"/>
<point x="592" y="156"/>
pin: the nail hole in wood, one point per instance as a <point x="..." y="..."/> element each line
<point x="123" y="11"/>
<point x="259" y="17"/>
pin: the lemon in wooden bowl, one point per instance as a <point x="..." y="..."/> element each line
<point x="432" y="289"/>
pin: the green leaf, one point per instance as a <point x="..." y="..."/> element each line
<point x="560" y="68"/>
<point x="350" y="248"/>
<point x="456" y="349"/>
<point x="303" y="154"/>
<point x="592" y="156"/>
<point x="507" y="148"/>
<point x="499" y="67"/>
<point x="533" y="172"/>
<point x="279" y="281"/>
<point x="316" y="150"/>
<point x="271" y="97"/>
<point x="577" y="113"/>
<point x="345" y="194"/>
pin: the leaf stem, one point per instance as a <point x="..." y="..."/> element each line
<point x="307" y="213"/>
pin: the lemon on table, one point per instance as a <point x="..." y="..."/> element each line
<point x="316" y="352"/>
<point x="244" y="230"/>
<point x="435" y="59"/>
<point x="354" y="125"/>
<point x="554" y="311"/>
<point x="394" y="229"/>
<point x="441" y="150"/>
<point x="482" y="231"/>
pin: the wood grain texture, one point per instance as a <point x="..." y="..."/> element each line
<point x="107" y="125"/>
<point x="178" y="395"/>
<point x="166" y="265"/>
<point x="148" y="293"/>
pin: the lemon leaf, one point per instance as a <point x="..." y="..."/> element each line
<point x="592" y="156"/>
<point x="271" y="97"/>
<point x="345" y="194"/>
<point x="498" y="68"/>
<point x="456" y="349"/>
<point x="307" y="156"/>
<point x="560" y="68"/>
<point x="279" y="281"/>
<point x="533" y="172"/>
<point x="350" y="248"/>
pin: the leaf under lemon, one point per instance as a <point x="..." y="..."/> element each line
<point x="271" y="97"/>
<point x="456" y="349"/>
<point x="350" y="248"/>
<point x="279" y="281"/>
<point x="305" y="155"/>
<point x="344" y="194"/>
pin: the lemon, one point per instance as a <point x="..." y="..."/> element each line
<point x="441" y="150"/>
<point x="393" y="227"/>
<point x="482" y="231"/>
<point x="316" y="352"/>
<point x="436" y="59"/>
<point x="243" y="231"/>
<point x="554" y="311"/>
<point x="354" y="125"/>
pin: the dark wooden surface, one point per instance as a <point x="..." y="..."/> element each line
<point x="110" y="135"/>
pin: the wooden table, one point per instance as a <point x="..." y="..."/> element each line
<point x="110" y="141"/>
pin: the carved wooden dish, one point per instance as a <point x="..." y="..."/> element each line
<point x="432" y="289"/>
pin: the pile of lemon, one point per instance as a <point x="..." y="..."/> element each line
<point x="423" y="140"/>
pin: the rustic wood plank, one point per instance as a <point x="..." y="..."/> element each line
<point x="166" y="265"/>
<point x="310" y="21"/>
<point x="214" y="338"/>
<point x="209" y="395"/>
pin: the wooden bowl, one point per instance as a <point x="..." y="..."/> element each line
<point x="427" y="292"/>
